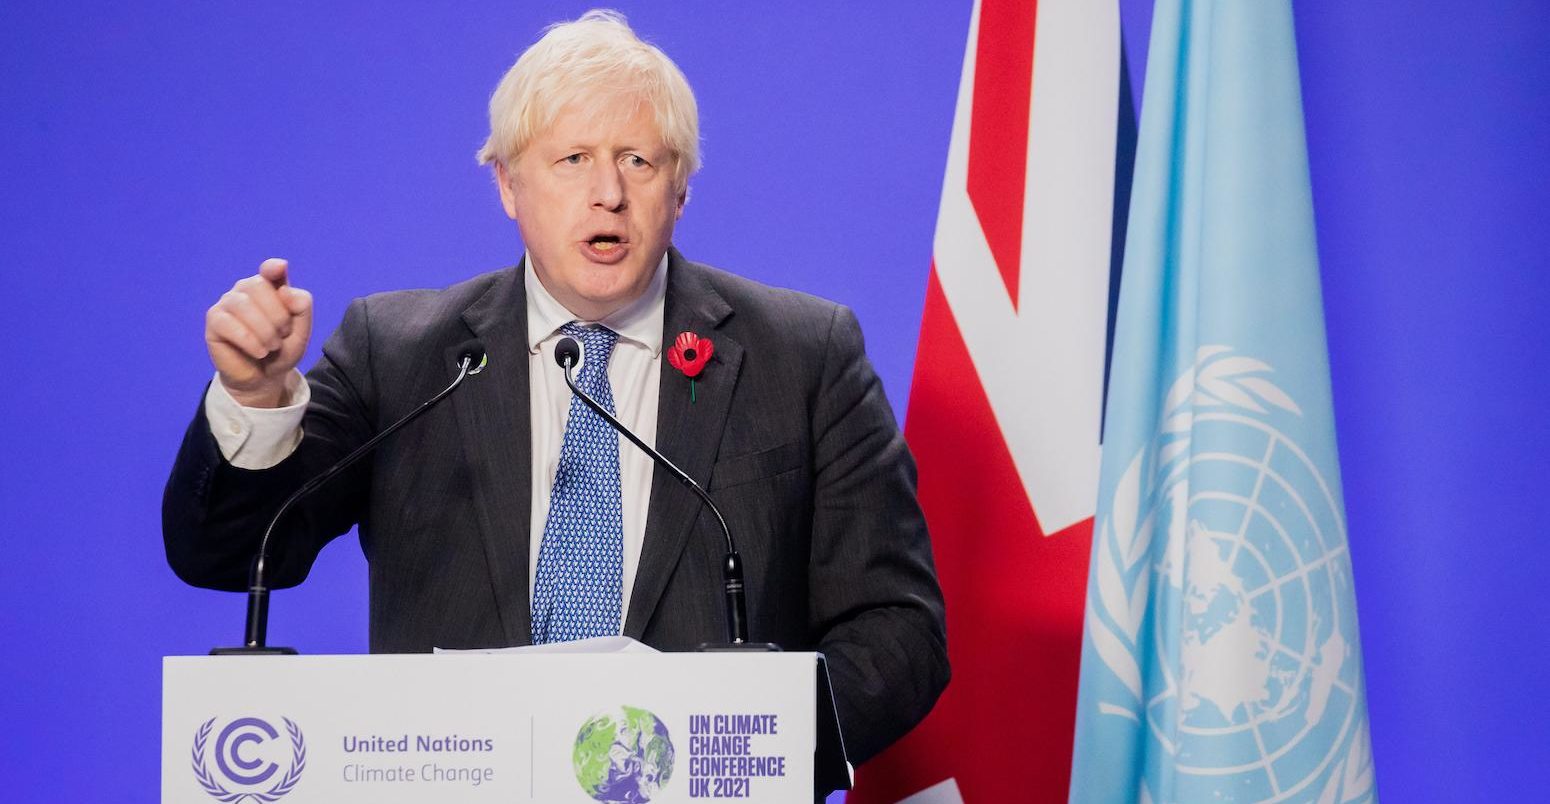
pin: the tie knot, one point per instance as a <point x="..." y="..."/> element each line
<point x="597" y="344"/>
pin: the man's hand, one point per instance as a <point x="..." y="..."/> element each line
<point x="257" y="333"/>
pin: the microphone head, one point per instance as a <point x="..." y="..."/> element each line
<point x="567" y="352"/>
<point x="473" y="352"/>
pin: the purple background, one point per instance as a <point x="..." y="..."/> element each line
<point x="155" y="152"/>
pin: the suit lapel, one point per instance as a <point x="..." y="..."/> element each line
<point x="492" y="413"/>
<point x="688" y="433"/>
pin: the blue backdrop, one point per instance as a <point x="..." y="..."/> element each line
<point x="152" y="153"/>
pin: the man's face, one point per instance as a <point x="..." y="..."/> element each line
<point x="595" y="198"/>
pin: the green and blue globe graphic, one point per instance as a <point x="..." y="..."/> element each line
<point x="623" y="757"/>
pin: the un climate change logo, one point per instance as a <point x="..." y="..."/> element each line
<point x="1258" y="697"/>
<point x="623" y="756"/>
<point x="245" y="752"/>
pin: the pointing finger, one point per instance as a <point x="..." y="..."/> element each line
<point x="275" y="270"/>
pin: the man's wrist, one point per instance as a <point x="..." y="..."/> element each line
<point x="257" y="437"/>
<point x="271" y="395"/>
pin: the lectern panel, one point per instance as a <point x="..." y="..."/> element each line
<point x="484" y="728"/>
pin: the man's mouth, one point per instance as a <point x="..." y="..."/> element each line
<point x="606" y="249"/>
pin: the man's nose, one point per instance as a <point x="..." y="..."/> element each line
<point x="607" y="188"/>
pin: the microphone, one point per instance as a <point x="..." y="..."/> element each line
<point x="471" y="360"/>
<point x="567" y="353"/>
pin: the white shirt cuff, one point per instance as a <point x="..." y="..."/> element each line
<point x="257" y="438"/>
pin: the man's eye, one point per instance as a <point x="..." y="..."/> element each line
<point x="636" y="161"/>
<point x="573" y="159"/>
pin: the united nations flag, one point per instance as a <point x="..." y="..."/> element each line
<point x="1221" y="660"/>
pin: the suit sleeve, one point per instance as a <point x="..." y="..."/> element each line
<point x="214" y="513"/>
<point x="875" y="599"/>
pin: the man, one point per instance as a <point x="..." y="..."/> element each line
<point x="509" y="514"/>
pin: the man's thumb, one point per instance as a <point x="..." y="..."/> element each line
<point x="296" y="300"/>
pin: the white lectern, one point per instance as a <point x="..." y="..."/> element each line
<point x="635" y="727"/>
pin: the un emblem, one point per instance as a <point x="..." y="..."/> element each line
<point x="1241" y="612"/>
<point x="245" y="751"/>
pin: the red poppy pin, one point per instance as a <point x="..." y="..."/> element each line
<point x="689" y="354"/>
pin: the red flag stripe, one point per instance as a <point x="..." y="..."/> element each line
<point x="1014" y="613"/>
<point x="1004" y="408"/>
<point x="998" y="139"/>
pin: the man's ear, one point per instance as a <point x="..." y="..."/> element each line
<point x="503" y="178"/>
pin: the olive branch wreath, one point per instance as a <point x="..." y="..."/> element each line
<point x="218" y="791"/>
<point x="1217" y="379"/>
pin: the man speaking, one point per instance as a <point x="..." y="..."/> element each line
<point x="511" y="514"/>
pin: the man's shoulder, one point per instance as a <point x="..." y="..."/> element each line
<point x="422" y="312"/>
<point x="770" y="309"/>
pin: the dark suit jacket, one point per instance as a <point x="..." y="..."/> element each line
<point x="790" y="429"/>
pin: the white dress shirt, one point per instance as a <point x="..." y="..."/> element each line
<point x="258" y="438"/>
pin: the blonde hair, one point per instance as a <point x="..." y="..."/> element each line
<point x="574" y="60"/>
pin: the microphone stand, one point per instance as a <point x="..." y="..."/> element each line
<point x="565" y="353"/>
<point x="255" y="634"/>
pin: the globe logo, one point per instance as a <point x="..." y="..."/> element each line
<point x="1222" y="570"/>
<point x="623" y="756"/>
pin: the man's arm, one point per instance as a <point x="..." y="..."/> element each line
<point x="875" y="597"/>
<point x="214" y="513"/>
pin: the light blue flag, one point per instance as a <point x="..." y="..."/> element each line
<point x="1221" y="661"/>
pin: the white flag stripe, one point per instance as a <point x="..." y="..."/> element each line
<point x="1042" y="365"/>
<point x="943" y="792"/>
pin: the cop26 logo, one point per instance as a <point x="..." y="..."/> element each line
<point x="241" y="762"/>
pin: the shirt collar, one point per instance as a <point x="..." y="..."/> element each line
<point x="639" y="322"/>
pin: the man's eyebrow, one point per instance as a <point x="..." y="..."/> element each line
<point x="625" y="147"/>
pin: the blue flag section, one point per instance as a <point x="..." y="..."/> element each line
<point x="1221" y="660"/>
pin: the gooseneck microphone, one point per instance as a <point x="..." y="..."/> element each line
<point x="567" y="352"/>
<point x="471" y="360"/>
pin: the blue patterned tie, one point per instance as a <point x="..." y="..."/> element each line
<point x="581" y="561"/>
